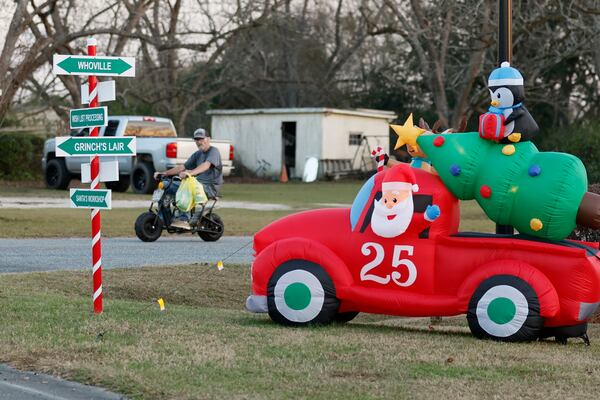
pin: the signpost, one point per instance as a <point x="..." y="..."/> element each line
<point x="88" y="198"/>
<point x="94" y="117"/>
<point x="93" y="65"/>
<point x="89" y="146"/>
<point x="88" y="117"/>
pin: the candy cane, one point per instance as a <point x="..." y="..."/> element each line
<point x="378" y="153"/>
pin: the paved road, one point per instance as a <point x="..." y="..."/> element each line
<point x="17" y="385"/>
<point x="30" y="255"/>
<point x="53" y="202"/>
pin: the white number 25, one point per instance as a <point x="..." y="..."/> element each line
<point x="396" y="261"/>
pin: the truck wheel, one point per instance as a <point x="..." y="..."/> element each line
<point x="56" y="174"/>
<point x="300" y="293"/>
<point x="119" y="186"/>
<point x="148" y="227"/>
<point x="505" y="308"/>
<point x="213" y="222"/>
<point x="142" y="178"/>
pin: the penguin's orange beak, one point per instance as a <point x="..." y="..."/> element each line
<point x="495" y="103"/>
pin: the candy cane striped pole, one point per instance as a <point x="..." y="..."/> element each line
<point x="378" y="153"/>
<point x="94" y="171"/>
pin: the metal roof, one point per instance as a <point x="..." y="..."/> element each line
<point x="360" y="112"/>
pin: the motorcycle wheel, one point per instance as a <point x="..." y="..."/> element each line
<point x="146" y="228"/>
<point x="215" y="224"/>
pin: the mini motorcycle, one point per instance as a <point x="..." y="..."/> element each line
<point x="163" y="211"/>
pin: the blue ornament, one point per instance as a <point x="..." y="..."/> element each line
<point x="535" y="170"/>
<point x="455" y="170"/>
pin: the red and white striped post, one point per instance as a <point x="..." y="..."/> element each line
<point x="95" y="178"/>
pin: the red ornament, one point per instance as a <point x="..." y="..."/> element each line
<point x="485" y="191"/>
<point x="438" y="141"/>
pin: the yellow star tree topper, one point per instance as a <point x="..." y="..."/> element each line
<point x="407" y="133"/>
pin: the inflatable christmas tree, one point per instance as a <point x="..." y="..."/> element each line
<point x="539" y="193"/>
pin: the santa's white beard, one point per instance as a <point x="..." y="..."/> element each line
<point x="388" y="228"/>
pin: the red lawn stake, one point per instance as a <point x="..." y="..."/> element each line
<point x="95" y="184"/>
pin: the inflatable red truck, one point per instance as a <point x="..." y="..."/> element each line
<point x="397" y="251"/>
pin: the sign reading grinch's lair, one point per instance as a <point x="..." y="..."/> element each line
<point x="88" y="146"/>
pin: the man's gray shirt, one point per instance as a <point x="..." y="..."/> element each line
<point x="213" y="175"/>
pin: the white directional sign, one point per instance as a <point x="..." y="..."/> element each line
<point x="91" y="198"/>
<point x="95" y="145"/>
<point x="106" y="92"/>
<point x="93" y="65"/>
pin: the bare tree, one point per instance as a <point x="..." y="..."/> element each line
<point x="450" y="40"/>
<point x="304" y="55"/>
<point x="182" y="52"/>
<point x="39" y="29"/>
<point x="454" y="43"/>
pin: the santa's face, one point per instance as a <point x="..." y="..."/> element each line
<point x="392" y="213"/>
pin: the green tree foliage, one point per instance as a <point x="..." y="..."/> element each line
<point x="21" y="156"/>
<point x="581" y="140"/>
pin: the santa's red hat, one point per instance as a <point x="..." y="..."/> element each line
<point x="400" y="177"/>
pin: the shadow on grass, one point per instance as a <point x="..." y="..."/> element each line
<point x="265" y="322"/>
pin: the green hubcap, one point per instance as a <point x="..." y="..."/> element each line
<point x="297" y="296"/>
<point x="501" y="310"/>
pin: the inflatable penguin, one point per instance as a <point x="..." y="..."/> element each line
<point x="507" y="95"/>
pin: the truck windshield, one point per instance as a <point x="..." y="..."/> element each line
<point x="149" y="129"/>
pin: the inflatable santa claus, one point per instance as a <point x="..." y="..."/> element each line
<point x="392" y="211"/>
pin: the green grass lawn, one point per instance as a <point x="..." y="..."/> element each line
<point x="119" y="222"/>
<point x="67" y="222"/>
<point x="293" y="193"/>
<point x="205" y="346"/>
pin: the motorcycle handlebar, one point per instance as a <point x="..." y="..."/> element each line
<point x="171" y="178"/>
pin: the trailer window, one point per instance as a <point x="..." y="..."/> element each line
<point x="149" y="129"/>
<point x="355" y="138"/>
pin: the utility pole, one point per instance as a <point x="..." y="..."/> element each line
<point x="504" y="54"/>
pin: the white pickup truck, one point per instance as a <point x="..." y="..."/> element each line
<point x="158" y="149"/>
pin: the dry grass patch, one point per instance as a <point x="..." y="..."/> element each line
<point x="206" y="346"/>
<point x="67" y="222"/>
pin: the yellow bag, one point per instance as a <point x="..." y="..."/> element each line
<point x="200" y="197"/>
<point x="190" y="193"/>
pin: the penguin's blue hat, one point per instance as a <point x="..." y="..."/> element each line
<point x="505" y="76"/>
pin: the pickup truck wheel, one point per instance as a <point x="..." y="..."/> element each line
<point x="505" y="308"/>
<point x="148" y="227"/>
<point x="119" y="186"/>
<point x="56" y="174"/>
<point x="213" y="222"/>
<point x="300" y="293"/>
<point x="142" y="178"/>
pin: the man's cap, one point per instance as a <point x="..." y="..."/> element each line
<point x="200" y="133"/>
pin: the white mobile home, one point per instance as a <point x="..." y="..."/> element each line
<point x="265" y="139"/>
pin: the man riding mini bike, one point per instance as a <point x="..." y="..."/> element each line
<point x="205" y="165"/>
<point x="163" y="212"/>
